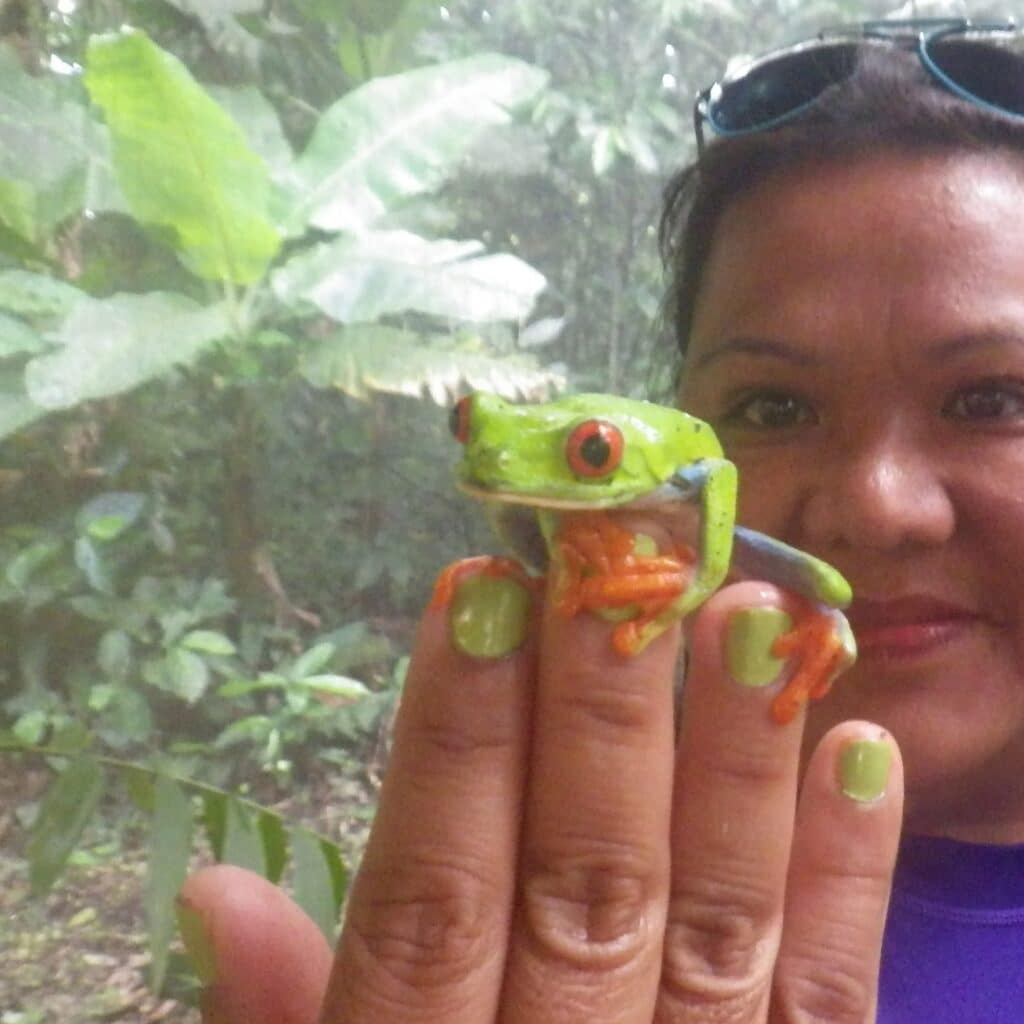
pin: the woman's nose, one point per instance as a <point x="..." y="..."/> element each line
<point x="884" y="493"/>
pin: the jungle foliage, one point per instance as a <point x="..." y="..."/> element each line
<point x="249" y="251"/>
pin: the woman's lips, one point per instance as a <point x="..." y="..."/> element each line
<point x="907" y="626"/>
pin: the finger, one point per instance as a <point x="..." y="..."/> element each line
<point x="264" y="960"/>
<point x="586" y="943"/>
<point x="732" y="815"/>
<point x="844" y="851"/>
<point x="426" y="929"/>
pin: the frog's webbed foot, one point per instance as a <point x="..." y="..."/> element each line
<point x="824" y="643"/>
<point x="601" y="567"/>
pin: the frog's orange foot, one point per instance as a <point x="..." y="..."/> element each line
<point x="596" y="567"/>
<point x="482" y="565"/>
<point x="818" y="641"/>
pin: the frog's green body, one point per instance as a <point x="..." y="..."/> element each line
<point x="561" y="463"/>
<point x="516" y="454"/>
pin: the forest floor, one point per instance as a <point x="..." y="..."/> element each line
<point x="78" y="955"/>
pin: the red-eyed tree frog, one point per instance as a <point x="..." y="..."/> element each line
<point x="549" y="473"/>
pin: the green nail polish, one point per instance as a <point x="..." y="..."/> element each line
<point x="748" y="645"/>
<point x="864" y="769"/>
<point x="197" y="942"/>
<point x="489" y="616"/>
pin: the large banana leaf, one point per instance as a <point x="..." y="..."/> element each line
<point x="182" y="162"/>
<point x="45" y="147"/>
<point x="362" y="278"/>
<point x="368" y="358"/>
<point x="400" y="136"/>
<point x="112" y="345"/>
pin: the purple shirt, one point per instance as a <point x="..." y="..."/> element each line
<point x="954" y="938"/>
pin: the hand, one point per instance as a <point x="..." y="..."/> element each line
<point x="545" y="852"/>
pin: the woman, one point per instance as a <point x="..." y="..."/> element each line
<point x="848" y="277"/>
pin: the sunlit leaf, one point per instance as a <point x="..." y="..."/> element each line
<point x="396" y="137"/>
<point x="45" y="143"/>
<point x="312" y="660"/>
<point x="207" y="641"/>
<point x="181" y="160"/>
<point x="114" y="344"/>
<point x="358" y="280"/>
<point x="170" y="846"/>
<point x="65" y="811"/>
<point x="108" y="515"/>
<point x="365" y="359"/>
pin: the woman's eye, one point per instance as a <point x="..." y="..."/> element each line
<point x="987" y="400"/>
<point x="770" y="410"/>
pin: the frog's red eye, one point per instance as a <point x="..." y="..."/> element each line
<point x="458" y="419"/>
<point x="594" y="448"/>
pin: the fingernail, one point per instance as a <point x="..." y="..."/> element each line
<point x="864" y="769"/>
<point x="197" y="941"/>
<point x="489" y="616"/>
<point x="748" y="644"/>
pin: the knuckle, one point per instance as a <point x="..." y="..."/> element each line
<point x="721" y="941"/>
<point x="455" y="738"/>
<point x="814" y="992"/>
<point x="611" y="704"/>
<point x="595" y="908"/>
<point x="422" y="926"/>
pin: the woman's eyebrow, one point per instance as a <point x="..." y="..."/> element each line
<point x="976" y="341"/>
<point x="767" y="348"/>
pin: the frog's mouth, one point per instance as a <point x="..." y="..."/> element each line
<point x="588" y="503"/>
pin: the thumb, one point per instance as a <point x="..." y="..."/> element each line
<point x="263" y="961"/>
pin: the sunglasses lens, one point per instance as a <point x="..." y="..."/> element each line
<point x="992" y="72"/>
<point x="779" y="88"/>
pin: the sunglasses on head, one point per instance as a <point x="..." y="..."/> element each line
<point x="982" y="63"/>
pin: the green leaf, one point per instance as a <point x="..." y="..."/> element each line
<point x="242" y="843"/>
<point x="312" y="660"/>
<point x="275" y="845"/>
<point x="364" y="278"/>
<point x="36" y="295"/>
<point x="107" y="516"/>
<point x="335" y="685"/>
<point x="365" y="359"/>
<point x="207" y="641"/>
<point x="170" y="847"/>
<point x="17" y="338"/>
<point x="44" y="146"/>
<point x="396" y="137"/>
<point x="65" y="811"/>
<point x="114" y="653"/>
<point x="30" y="727"/>
<point x="258" y="119"/>
<point x="215" y="820"/>
<point x="25" y="564"/>
<point x="187" y="674"/>
<point x="90" y="560"/>
<point x="181" y="160"/>
<point x="315" y="879"/>
<point x="112" y="345"/>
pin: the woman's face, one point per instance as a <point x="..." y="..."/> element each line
<point x="858" y="345"/>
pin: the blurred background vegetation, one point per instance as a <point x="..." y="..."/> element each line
<point x="250" y="251"/>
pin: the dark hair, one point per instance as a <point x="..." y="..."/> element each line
<point x="890" y="103"/>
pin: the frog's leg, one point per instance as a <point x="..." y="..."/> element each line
<point x="712" y="483"/>
<point x="821" y="635"/>
<point x="764" y="558"/>
<point x="824" y="639"/>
